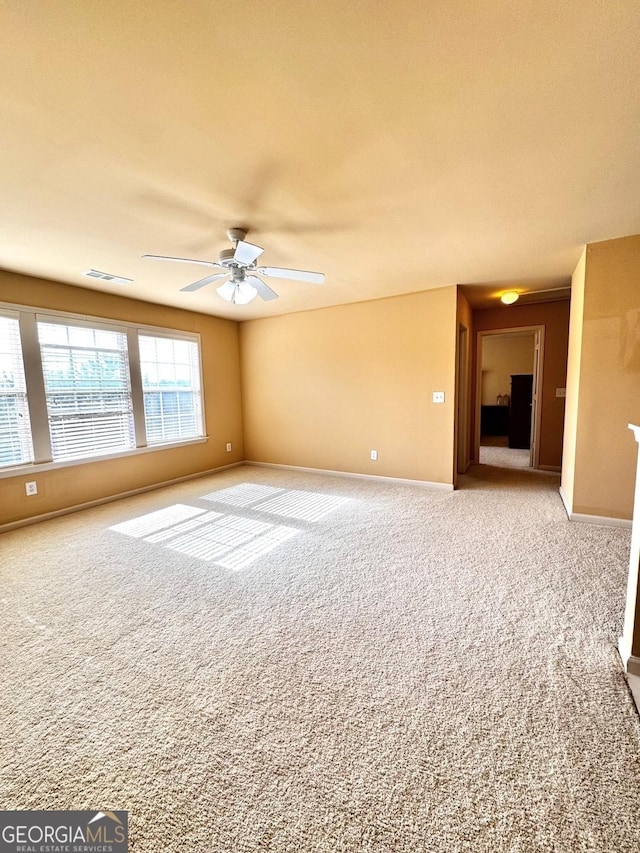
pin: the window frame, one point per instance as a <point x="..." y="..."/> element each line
<point x="174" y="337"/>
<point x="76" y="391"/>
<point x="29" y="316"/>
<point x="20" y="435"/>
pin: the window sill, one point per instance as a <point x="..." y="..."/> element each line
<point x="36" y="467"/>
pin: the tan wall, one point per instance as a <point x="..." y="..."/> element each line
<point x="609" y="380"/>
<point x="573" y="378"/>
<point x="554" y="316"/>
<point x="323" y="388"/>
<point x="76" y="484"/>
<point x="502" y="357"/>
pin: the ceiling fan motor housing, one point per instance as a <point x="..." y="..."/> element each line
<point x="226" y="258"/>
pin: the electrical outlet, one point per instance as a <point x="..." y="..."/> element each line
<point x="438" y="396"/>
<point x="374" y="455"/>
<point x="31" y="488"/>
<point x="228" y="447"/>
<point x="561" y="392"/>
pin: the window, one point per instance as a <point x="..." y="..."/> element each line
<point x="86" y="380"/>
<point x="74" y="388"/>
<point x="171" y="386"/>
<point x="15" y="430"/>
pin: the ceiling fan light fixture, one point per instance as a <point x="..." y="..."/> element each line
<point x="226" y="290"/>
<point x="238" y="292"/>
<point x="509" y="297"/>
<point x="245" y="293"/>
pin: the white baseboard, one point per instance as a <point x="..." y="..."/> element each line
<point x="45" y="516"/>
<point x="427" y="484"/>
<point x="634" y="684"/>
<point x="631" y="666"/>
<point x="604" y="520"/>
<point x="631" y="663"/>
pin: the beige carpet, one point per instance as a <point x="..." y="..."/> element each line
<point x="504" y="457"/>
<point x="497" y="453"/>
<point x="310" y="663"/>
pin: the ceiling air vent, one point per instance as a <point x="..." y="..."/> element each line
<point x="105" y="276"/>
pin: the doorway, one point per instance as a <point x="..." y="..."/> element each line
<point x="508" y="391"/>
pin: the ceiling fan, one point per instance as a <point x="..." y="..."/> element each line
<point x="239" y="265"/>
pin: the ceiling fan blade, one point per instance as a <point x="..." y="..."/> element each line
<point x="296" y="275"/>
<point x="204" y="282"/>
<point x="264" y="291"/>
<point x="181" y="260"/>
<point x="246" y="253"/>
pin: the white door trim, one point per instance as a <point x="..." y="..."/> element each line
<point x="463" y="436"/>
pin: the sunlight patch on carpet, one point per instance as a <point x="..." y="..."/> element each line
<point x="305" y="506"/>
<point x="243" y="494"/>
<point x="290" y="503"/>
<point x="154" y="521"/>
<point x="231" y="542"/>
<point x="183" y="527"/>
<point x="227" y="540"/>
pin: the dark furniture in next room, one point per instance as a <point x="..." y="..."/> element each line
<point x="494" y="420"/>
<point x="520" y="410"/>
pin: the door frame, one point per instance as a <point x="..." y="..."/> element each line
<point x="536" y="401"/>
<point x="462" y="447"/>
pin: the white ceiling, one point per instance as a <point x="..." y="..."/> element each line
<point x="394" y="146"/>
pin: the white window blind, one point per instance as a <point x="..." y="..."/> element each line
<point x="170" y="370"/>
<point x="87" y="387"/>
<point x="15" y="429"/>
